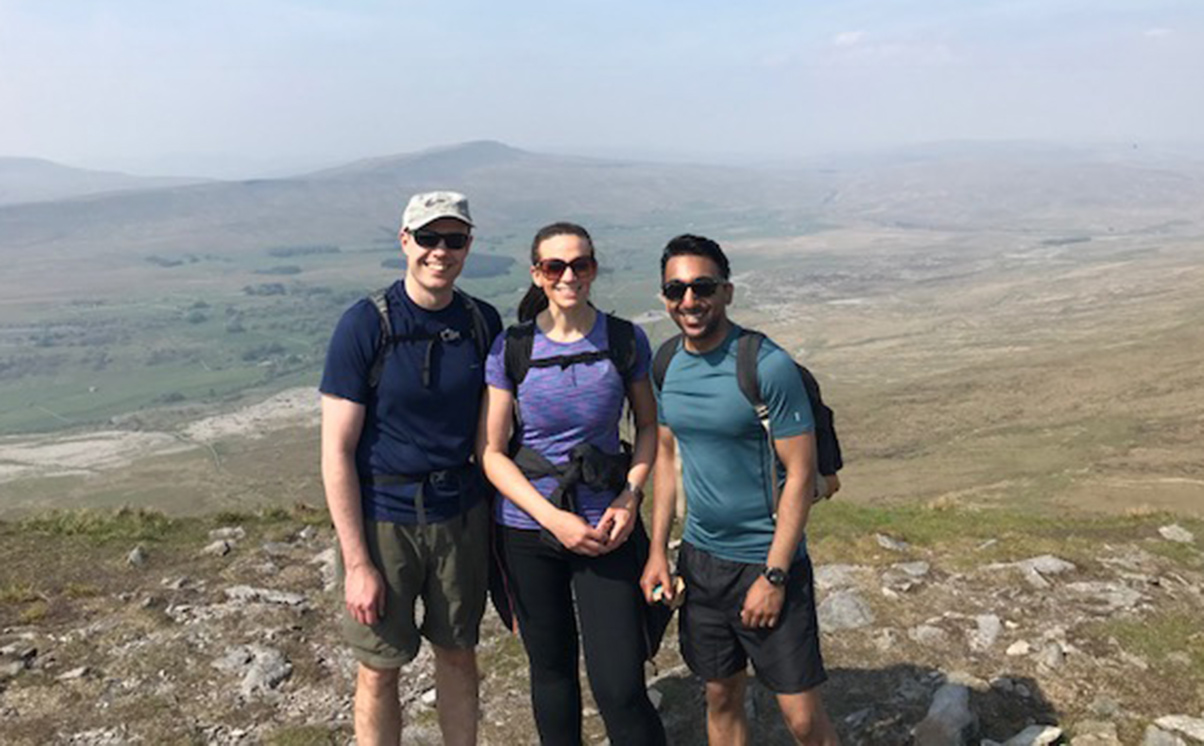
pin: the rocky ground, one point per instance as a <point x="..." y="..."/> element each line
<point x="938" y="628"/>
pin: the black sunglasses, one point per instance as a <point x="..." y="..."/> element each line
<point x="554" y="268"/>
<point x="428" y="239"/>
<point x="703" y="287"/>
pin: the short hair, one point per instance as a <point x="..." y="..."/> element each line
<point x="688" y="244"/>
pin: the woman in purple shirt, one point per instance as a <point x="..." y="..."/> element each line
<point x="570" y="492"/>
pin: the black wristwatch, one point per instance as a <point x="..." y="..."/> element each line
<point x="775" y="575"/>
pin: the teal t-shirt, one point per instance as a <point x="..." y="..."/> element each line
<point x="724" y="452"/>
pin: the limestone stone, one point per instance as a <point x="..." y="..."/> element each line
<point x="844" y="610"/>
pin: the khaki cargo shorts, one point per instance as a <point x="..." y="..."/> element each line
<point x="446" y="565"/>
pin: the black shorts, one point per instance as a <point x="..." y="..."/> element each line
<point x="716" y="644"/>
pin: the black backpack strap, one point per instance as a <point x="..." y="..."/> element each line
<point x="516" y="352"/>
<point x="380" y="301"/>
<point x="748" y="348"/>
<point x="662" y="358"/>
<point x="827" y="446"/>
<point x="620" y="344"/>
<point x="480" y="328"/>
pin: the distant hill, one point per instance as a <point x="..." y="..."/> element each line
<point x="511" y="191"/>
<point x="37" y="180"/>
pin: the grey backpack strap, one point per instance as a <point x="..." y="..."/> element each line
<point x="380" y="302"/>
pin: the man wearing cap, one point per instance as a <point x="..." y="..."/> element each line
<point x="400" y="398"/>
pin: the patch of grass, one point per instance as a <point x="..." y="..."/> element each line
<point x="843" y="530"/>
<point x="80" y="590"/>
<point x="34" y="612"/>
<point x="1154" y="637"/>
<point x="304" y="735"/>
<point x="18" y="593"/>
<point x="139" y="524"/>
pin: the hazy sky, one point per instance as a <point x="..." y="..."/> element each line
<point x="203" y="85"/>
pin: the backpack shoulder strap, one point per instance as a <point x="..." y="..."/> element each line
<point x="748" y="348"/>
<point x="380" y="301"/>
<point x="662" y="358"/>
<point x="516" y="349"/>
<point x="480" y="328"/>
<point x="621" y="347"/>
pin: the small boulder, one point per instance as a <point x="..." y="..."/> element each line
<point x="1155" y="736"/>
<point x="136" y="557"/>
<point x="948" y="718"/>
<point x="1175" y="532"/>
<point x="844" y="610"/>
<point x="988" y="629"/>
<point x="1191" y="727"/>
<point x="229" y="533"/>
<point x="219" y="548"/>
<point x="891" y="543"/>
<point x="1020" y="647"/>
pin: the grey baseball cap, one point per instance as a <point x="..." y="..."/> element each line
<point x="428" y="207"/>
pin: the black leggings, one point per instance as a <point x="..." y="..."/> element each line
<point x="610" y="606"/>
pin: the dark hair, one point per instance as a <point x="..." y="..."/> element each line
<point x="688" y="244"/>
<point x="535" y="300"/>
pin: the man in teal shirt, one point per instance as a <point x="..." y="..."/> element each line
<point x="749" y="586"/>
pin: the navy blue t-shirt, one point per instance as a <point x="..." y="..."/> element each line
<point x="409" y="428"/>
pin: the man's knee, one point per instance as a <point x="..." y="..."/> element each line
<point x="805" y="718"/>
<point x="378" y="682"/>
<point x="462" y="661"/>
<point x="726" y="695"/>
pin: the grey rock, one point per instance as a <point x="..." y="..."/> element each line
<point x="948" y="718"/>
<point x="1052" y="656"/>
<point x="1104" y="707"/>
<point x="1178" y="658"/>
<point x="232" y="533"/>
<point x="657" y="698"/>
<point x="428" y="698"/>
<point x="916" y="569"/>
<point x="12" y="667"/>
<point x="175" y="584"/>
<point x="307" y="533"/>
<point x="136" y="557"/>
<point x="1020" y="647"/>
<point x="1191" y="727"/>
<point x="1035" y="735"/>
<point x="75" y="673"/>
<point x="247" y="594"/>
<point x="277" y="548"/>
<point x="893" y="544"/>
<point x="219" y="548"/>
<point x="1047" y="564"/>
<point x="23" y="649"/>
<point x="1103" y="597"/>
<point x="327" y="561"/>
<point x="1155" y="736"/>
<point x="927" y="634"/>
<point x="262" y="668"/>
<point x="1176" y="533"/>
<point x="844" y="610"/>
<point x="828" y="577"/>
<point x="987" y="632"/>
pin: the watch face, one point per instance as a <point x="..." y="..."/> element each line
<point x="775" y="575"/>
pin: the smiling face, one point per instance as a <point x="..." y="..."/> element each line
<point x="703" y="320"/>
<point x="565" y="270"/>
<point x="435" y="269"/>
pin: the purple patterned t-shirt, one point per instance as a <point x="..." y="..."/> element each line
<point x="564" y="408"/>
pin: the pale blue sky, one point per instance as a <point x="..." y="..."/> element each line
<point x="206" y="85"/>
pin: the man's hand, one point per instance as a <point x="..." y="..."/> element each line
<point x="618" y="521"/>
<point x="762" y="604"/>
<point x="656" y="573"/>
<point x="364" y="594"/>
<point x="576" y="535"/>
